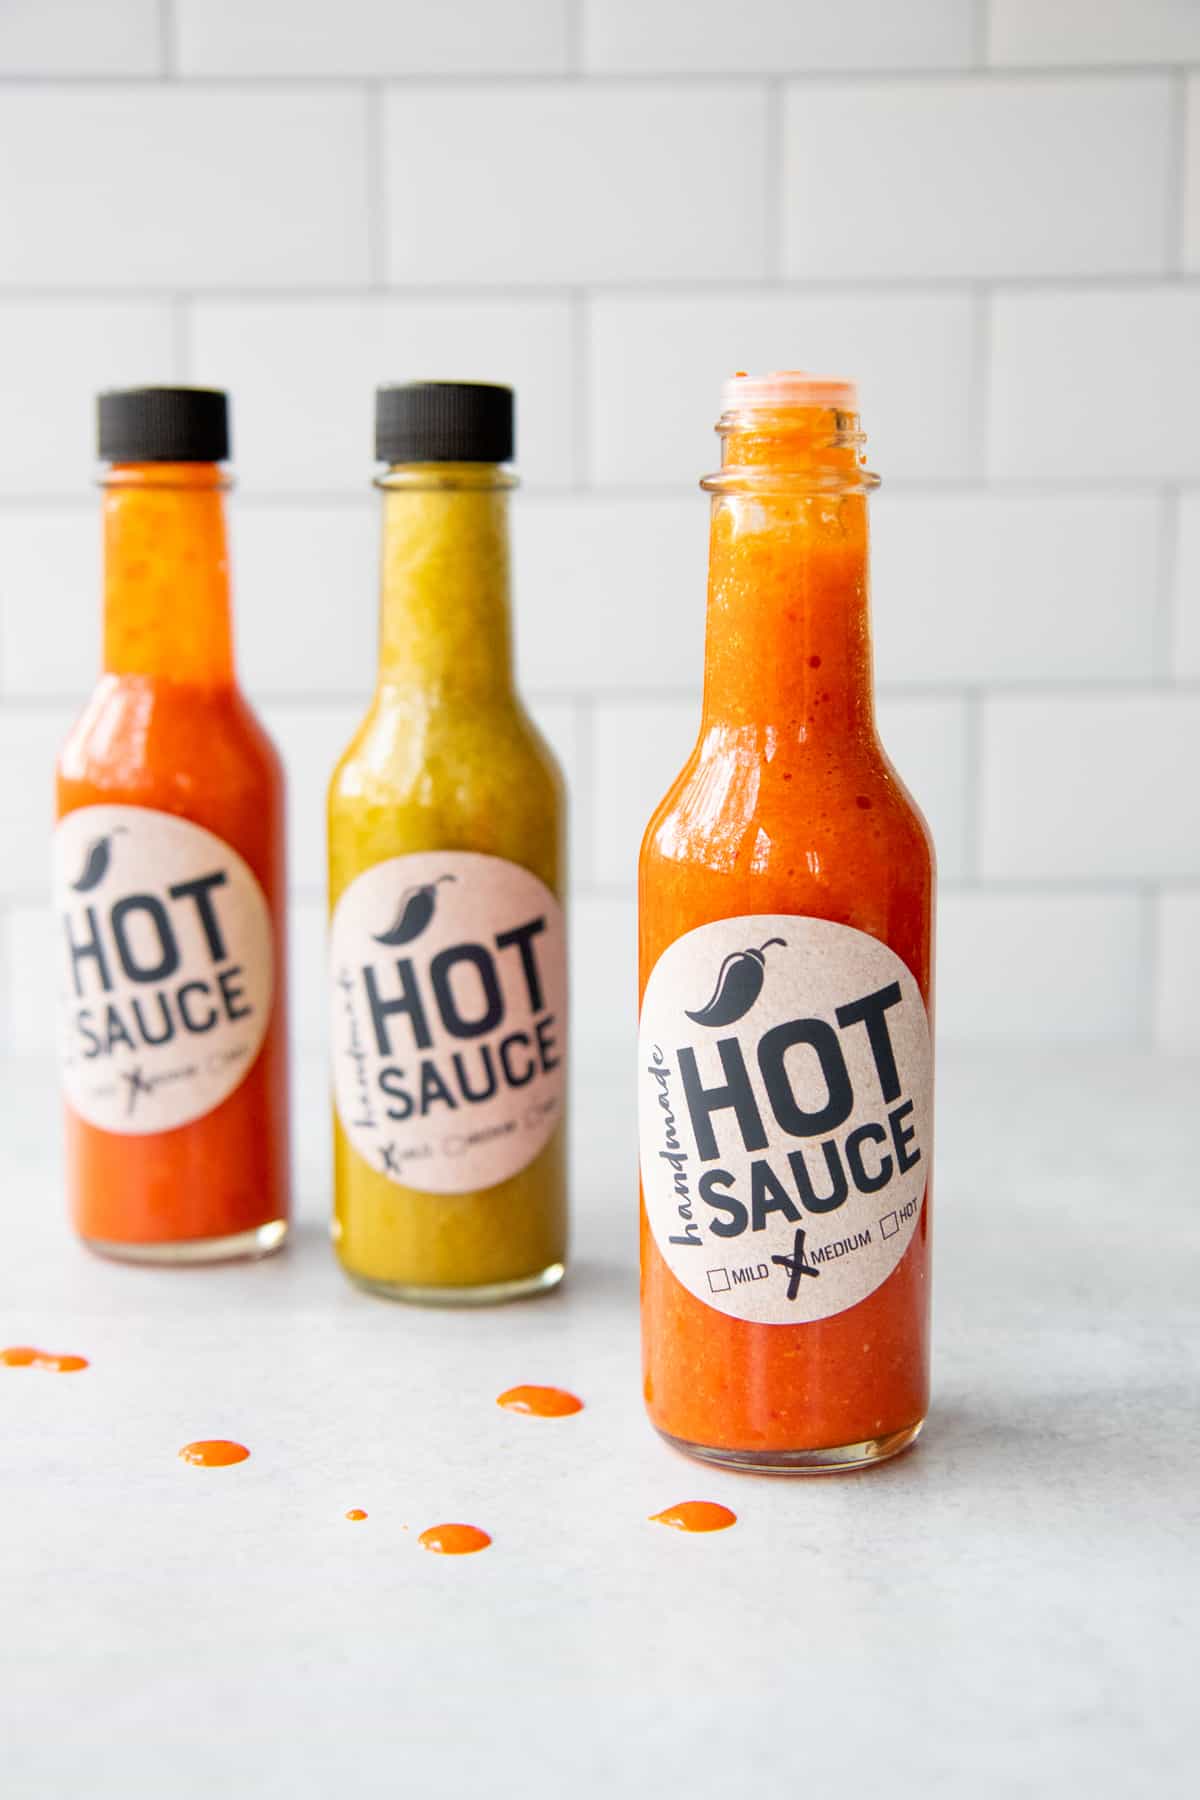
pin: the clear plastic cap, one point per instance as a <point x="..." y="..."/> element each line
<point x="787" y="387"/>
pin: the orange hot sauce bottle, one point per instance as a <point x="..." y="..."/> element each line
<point x="786" y="920"/>
<point x="170" y="875"/>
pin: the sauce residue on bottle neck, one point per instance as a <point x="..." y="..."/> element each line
<point x="214" y="1453"/>
<point x="24" y="1356"/>
<point x="540" y="1402"/>
<point x="696" y="1515"/>
<point x="454" y="1540"/>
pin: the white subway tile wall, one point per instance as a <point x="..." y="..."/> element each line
<point x="711" y="37"/>
<point x="77" y="37"/>
<point x="1093" y="32"/>
<point x="988" y="211"/>
<point x="303" y="374"/>
<point x="182" y="186"/>
<point x="992" y="177"/>
<point x="366" y="38"/>
<point x="567" y="183"/>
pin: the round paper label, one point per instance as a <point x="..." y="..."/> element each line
<point x="449" y="992"/>
<point x="166" y="967"/>
<point x="785" y="1108"/>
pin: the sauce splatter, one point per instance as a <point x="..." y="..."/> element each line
<point x="696" y="1515"/>
<point x="356" y="1512"/>
<point x="23" y="1356"/>
<point x="454" y="1540"/>
<point x="214" y="1453"/>
<point x="541" y="1402"/>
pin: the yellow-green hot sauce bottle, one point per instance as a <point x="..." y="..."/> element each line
<point x="446" y="866"/>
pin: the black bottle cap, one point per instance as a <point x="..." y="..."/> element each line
<point x="444" y="421"/>
<point x="163" y="424"/>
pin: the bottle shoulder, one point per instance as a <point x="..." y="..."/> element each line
<point x="415" y="747"/>
<point x="829" y="837"/>
<point x="179" y="746"/>
<point x="739" y="808"/>
<point x="420" y="775"/>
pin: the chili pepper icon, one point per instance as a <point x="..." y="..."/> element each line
<point x="739" y="983"/>
<point x="416" y="911"/>
<point x="95" y="863"/>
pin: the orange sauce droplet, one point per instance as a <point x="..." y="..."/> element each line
<point x="696" y="1515"/>
<point x="23" y="1356"/>
<point x="454" y="1540"/>
<point x="214" y="1453"/>
<point x="540" y="1402"/>
<point x="356" y="1512"/>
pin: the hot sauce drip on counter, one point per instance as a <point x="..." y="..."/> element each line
<point x="696" y="1515"/>
<point x="454" y="1540"/>
<point x="356" y="1512"/>
<point x="170" y="893"/>
<point x="213" y="1453"/>
<point x="541" y="1402"/>
<point x="786" y="900"/>
<point x="22" y="1356"/>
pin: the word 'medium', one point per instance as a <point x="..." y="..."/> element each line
<point x="830" y="1162"/>
<point x="459" y="999"/>
<point x="135" y="944"/>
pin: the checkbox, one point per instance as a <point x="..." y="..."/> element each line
<point x="718" y="1281"/>
<point x="889" y="1225"/>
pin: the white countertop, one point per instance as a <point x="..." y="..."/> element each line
<point x="1009" y="1609"/>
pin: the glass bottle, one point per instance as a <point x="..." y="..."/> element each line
<point x="786" y="922"/>
<point x="170" y="875"/>
<point x="446" y="871"/>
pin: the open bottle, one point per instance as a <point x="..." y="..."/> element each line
<point x="786" y="897"/>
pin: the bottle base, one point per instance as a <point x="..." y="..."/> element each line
<point x="492" y="1293"/>
<point x="238" y="1246"/>
<point x="826" y="1461"/>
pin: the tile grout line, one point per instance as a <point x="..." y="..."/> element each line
<point x="168" y="40"/>
<point x="964" y="74"/>
<point x="972" y="786"/>
<point x="582" y="804"/>
<point x="1162" y="665"/>
<point x="181" y="338"/>
<point x="981" y="380"/>
<point x="1149" y="960"/>
<point x="7" y="994"/>
<point x="774" y="190"/>
<point x="579" y="313"/>
<point x="1175" y="187"/>
<point x="376" y="196"/>
<point x="573" y="22"/>
<point x="848" y="288"/>
<point x="980" y="37"/>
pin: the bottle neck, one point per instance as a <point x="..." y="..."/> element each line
<point x="166" y="573"/>
<point x="444" y="623"/>
<point x="788" y="643"/>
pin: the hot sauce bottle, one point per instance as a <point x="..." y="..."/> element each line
<point x="446" y="868"/>
<point x="169" y="875"/>
<point x="786" y="919"/>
